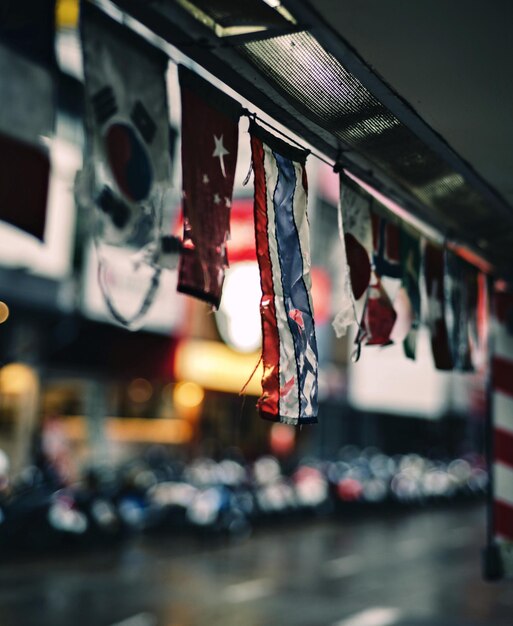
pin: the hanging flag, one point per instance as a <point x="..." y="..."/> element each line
<point x="127" y="127"/>
<point x="468" y="336"/>
<point x="482" y="323"/>
<point x="379" y="315"/>
<point x="386" y="247"/>
<point x="358" y="237"/>
<point x="410" y="274"/>
<point x="355" y="232"/>
<point x="127" y="165"/>
<point x="289" y="347"/>
<point x="346" y="314"/>
<point x="499" y="554"/>
<point x="434" y="276"/>
<point x="210" y="136"/>
<point x="26" y="117"/>
<point x="460" y="291"/>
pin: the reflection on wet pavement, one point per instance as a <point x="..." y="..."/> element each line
<point x="405" y="569"/>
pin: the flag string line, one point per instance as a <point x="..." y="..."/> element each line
<point x="255" y="116"/>
<point x="241" y="392"/>
<point x="416" y="223"/>
<point x="458" y="248"/>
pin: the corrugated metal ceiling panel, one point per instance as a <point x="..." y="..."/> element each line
<point x="322" y="89"/>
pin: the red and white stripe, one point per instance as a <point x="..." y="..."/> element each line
<point x="289" y="347"/>
<point x="502" y="416"/>
<point x="289" y="402"/>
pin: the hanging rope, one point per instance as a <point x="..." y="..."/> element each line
<point x="241" y="392"/>
<point x="340" y="163"/>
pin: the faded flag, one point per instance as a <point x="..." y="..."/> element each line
<point x="434" y="277"/>
<point x="127" y="126"/>
<point x="127" y="165"/>
<point x="355" y="231"/>
<point x="387" y="247"/>
<point x="289" y="347"/>
<point x="358" y="237"/>
<point x="460" y="290"/>
<point x="210" y="135"/>
<point x="379" y="316"/>
<point x="410" y="274"/>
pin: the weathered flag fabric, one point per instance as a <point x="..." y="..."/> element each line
<point x="355" y="230"/>
<point x="410" y="273"/>
<point x="127" y="166"/>
<point x="289" y="347"/>
<point x="356" y="216"/>
<point x="346" y="314"/>
<point x="434" y="277"/>
<point x="379" y="316"/>
<point x="460" y="291"/>
<point x="210" y="136"/>
<point x="387" y="247"/>
<point x="502" y="420"/>
<point x="127" y="125"/>
<point x="482" y="323"/>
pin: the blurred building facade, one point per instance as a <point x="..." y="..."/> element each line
<point x="177" y="381"/>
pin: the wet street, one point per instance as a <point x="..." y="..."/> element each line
<point x="407" y="569"/>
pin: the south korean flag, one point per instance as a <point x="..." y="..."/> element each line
<point x="127" y="128"/>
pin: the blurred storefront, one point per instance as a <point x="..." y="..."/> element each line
<point x="189" y="378"/>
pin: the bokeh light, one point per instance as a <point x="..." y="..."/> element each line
<point x="4" y="312"/>
<point x="188" y="395"/>
<point x="140" y="390"/>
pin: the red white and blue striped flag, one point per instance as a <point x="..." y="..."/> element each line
<point x="289" y="347"/>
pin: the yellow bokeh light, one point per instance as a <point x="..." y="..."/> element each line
<point x="4" y="312"/>
<point x="67" y="12"/>
<point x="214" y="365"/>
<point x="188" y="395"/>
<point x="17" y="378"/>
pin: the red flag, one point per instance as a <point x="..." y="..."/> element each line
<point x="434" y="274"/>
<point x="210" y="135"/>
<point x="379" y="317"/>
<point x="379" y="314"/>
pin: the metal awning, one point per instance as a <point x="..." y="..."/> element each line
<point x="288" y="61"/>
